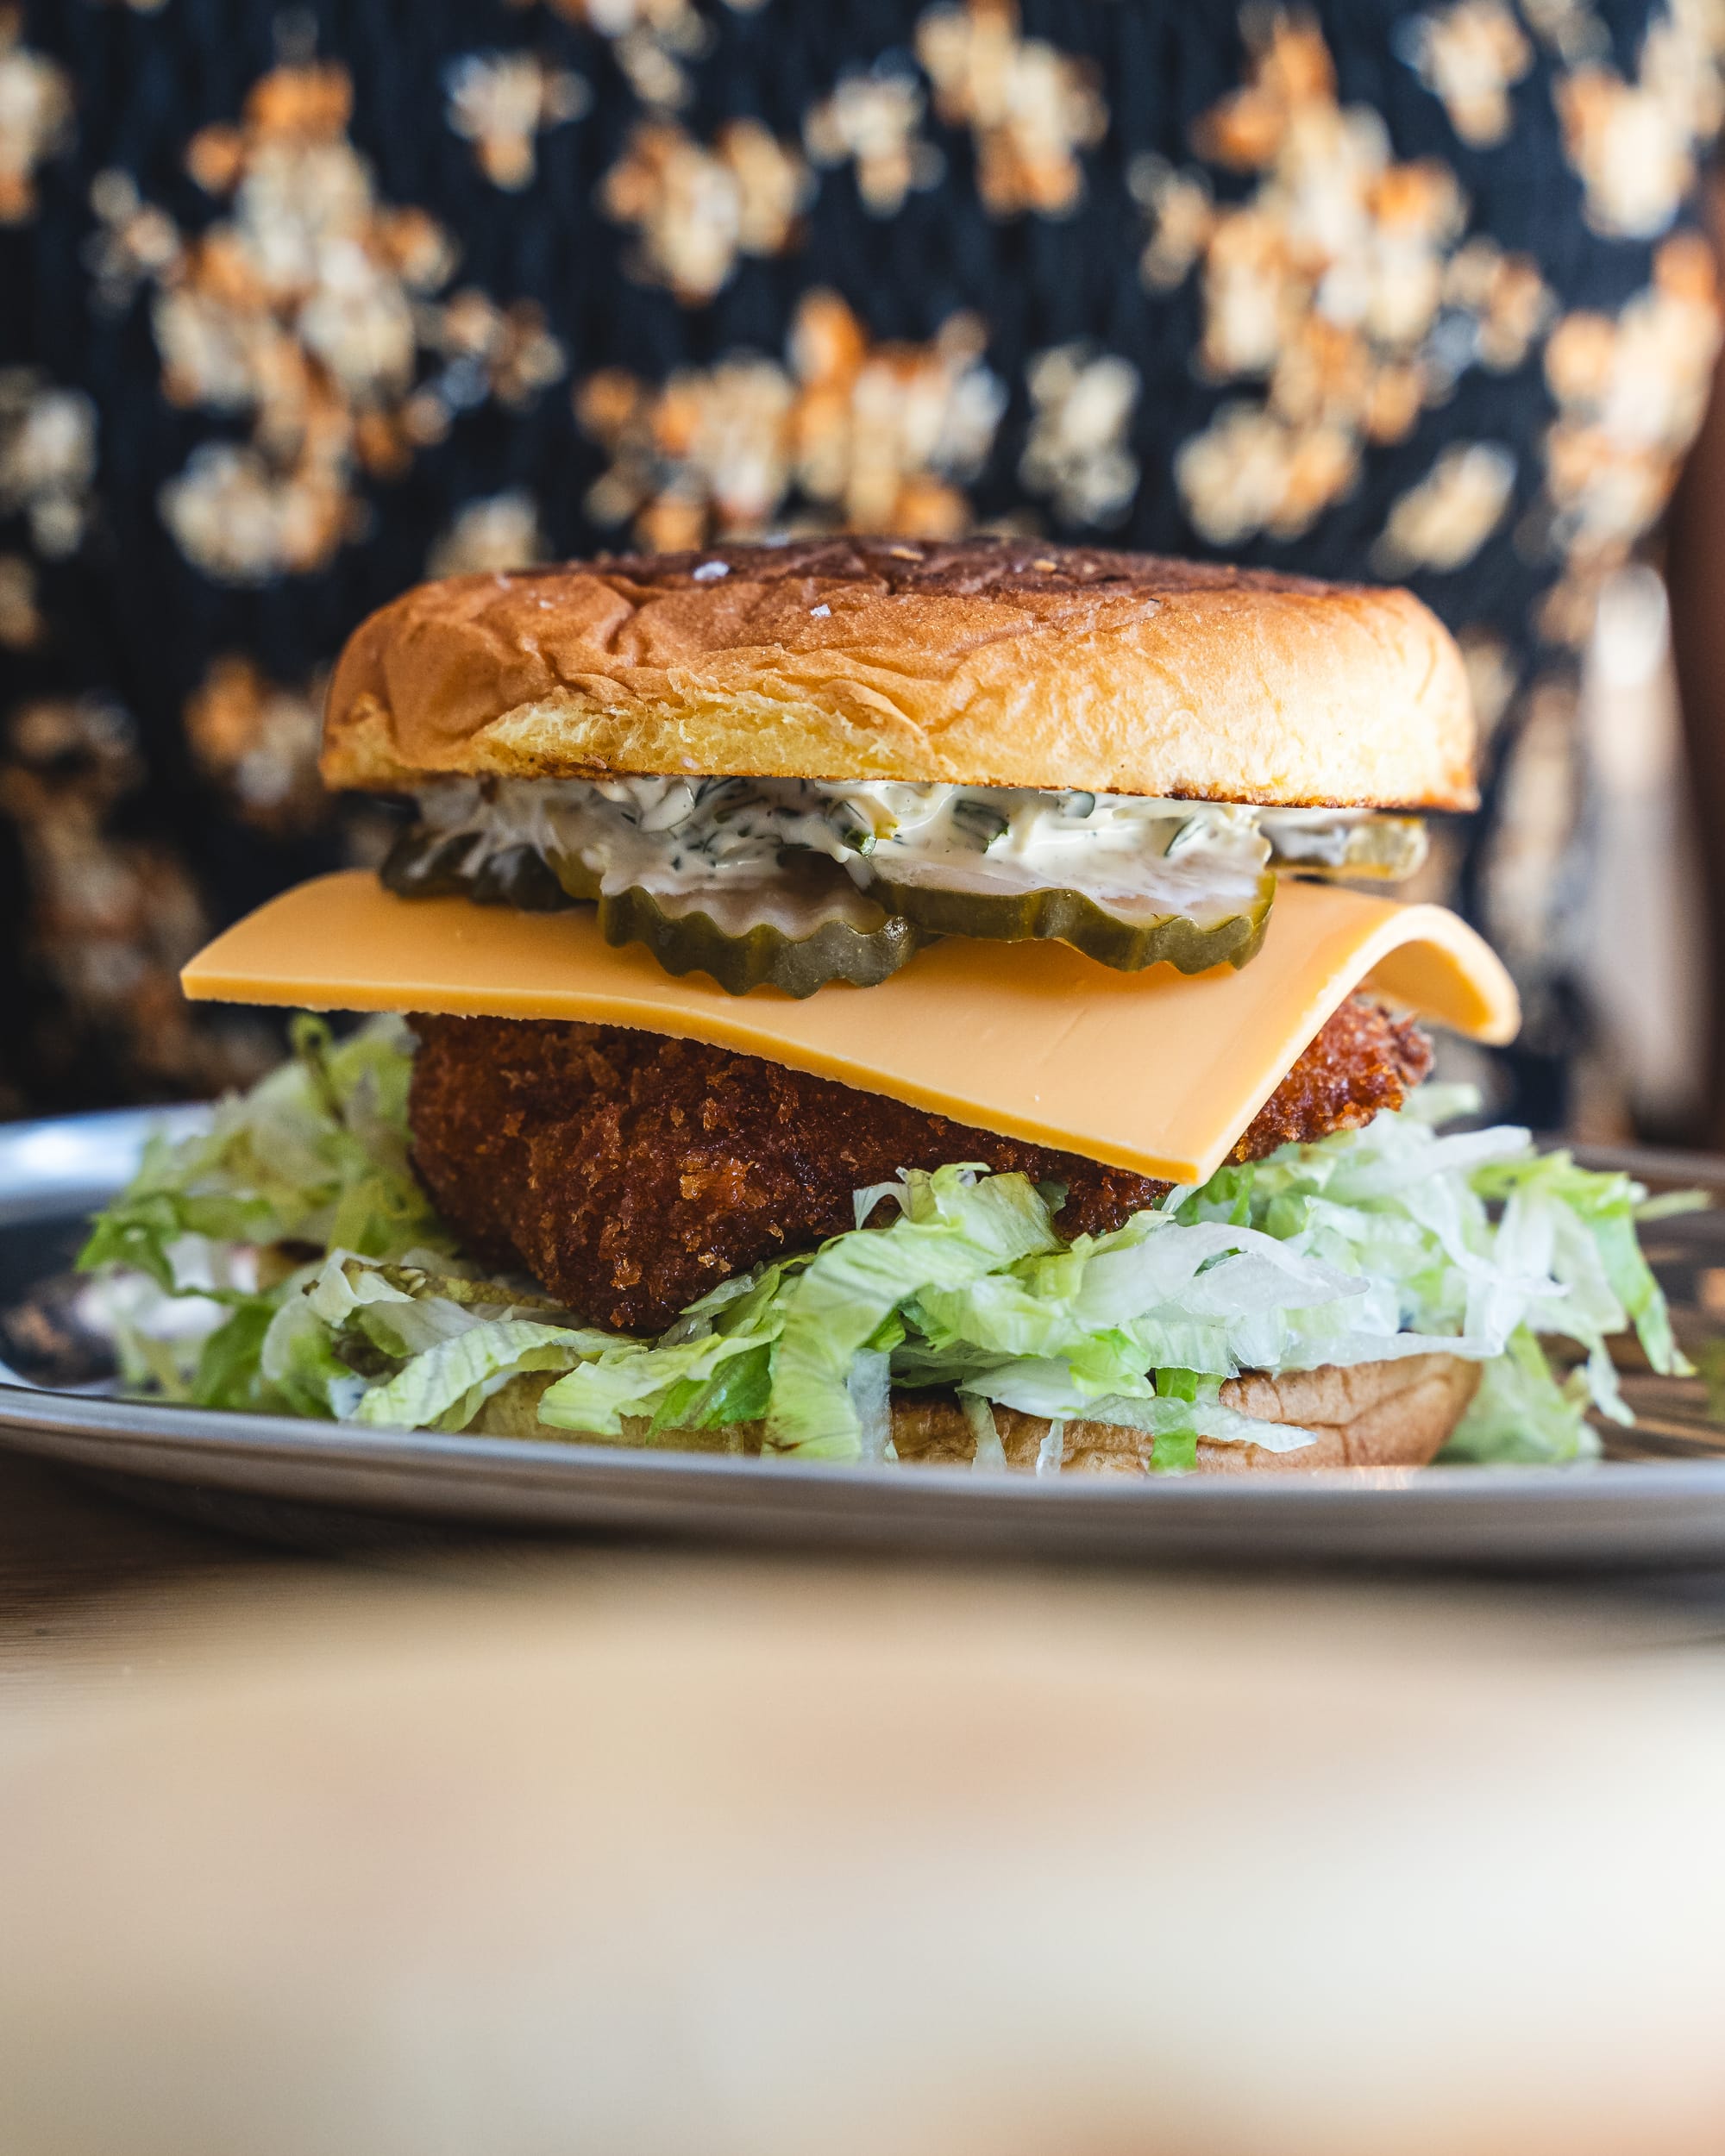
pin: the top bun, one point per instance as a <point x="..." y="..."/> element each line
<point x="979" y="661"/>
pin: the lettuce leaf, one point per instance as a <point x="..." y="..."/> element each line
<point x="315" y="1153"/>
<point x="1521" y="1413"/>
<point x="955" y="1227"/>
<point x="313" y="1158"/>
<point x="712" y="1366"/>
<point x="1476" y="1242"/>
<point x="410" y="1347"/>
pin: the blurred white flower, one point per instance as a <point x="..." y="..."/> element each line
<point x="501" y="102"/>
<point x="1445" y="520"/>
<point x="1076" y="452"/>
<point x="495" y="531"/>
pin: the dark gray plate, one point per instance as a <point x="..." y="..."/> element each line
<point x="1658" y="1500"/>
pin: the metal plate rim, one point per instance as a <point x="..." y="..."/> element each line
<point x="1587" y="1515"/>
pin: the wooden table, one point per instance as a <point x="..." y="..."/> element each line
<point x="88" y="1582"/>
<point x="512" y="1849"/>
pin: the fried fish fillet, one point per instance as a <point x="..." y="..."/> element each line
<point x="629" y="1173"/>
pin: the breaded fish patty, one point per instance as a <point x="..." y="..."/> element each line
<point x="629" y="1173"/>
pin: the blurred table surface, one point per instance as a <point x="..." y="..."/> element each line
<point x="87" y="1579"/>
<point x="516" y="1846"/>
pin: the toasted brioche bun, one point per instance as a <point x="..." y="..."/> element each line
<point x="984" y="662"/>
<point x="1374" y="1414"/>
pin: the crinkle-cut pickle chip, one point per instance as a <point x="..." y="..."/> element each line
<point x="424" y="864"/>
<point x="427" y="864"/>
<point x="1378" y="848"/>
<point x="1071" y="916"/>
<point x="764" y="956"/>
<point x="686" y="938"/>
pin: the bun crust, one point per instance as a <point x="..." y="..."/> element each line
<point x="985" y="662"/>
<point x="1373" y="1415"/>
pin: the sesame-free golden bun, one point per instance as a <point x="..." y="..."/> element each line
<point x="1397" y="1414"/>
<point x="980" y="661"/>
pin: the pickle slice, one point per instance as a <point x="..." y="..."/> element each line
<point x="1383" y="849"/>
<point x="427" y="864"/>
<point x="424" y="863"/>
<point x="815" y="927"/>
<point x="1126" y="941"/>
<point x="578" y="881"/>
<point x="846" y="939"/>
<point x="521" y="877"/>
<point x="812" y="924"/>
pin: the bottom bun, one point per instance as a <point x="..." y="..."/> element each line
<point x="1373" y="1415"/>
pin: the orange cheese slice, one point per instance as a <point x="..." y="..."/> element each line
<point x="1156" y="1071"/>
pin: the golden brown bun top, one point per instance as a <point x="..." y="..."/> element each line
<point x="984" y="662"/>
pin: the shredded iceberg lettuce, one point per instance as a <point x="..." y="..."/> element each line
<point x="227" y="1225"/>
<point x="1475" y="1243"/>
<point x="298" y="1220"/>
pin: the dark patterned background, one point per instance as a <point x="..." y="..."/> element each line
<point x="298" y="306"/>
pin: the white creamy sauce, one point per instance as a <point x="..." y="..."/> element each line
<point x="717" y="839"/>
<point x="1132" y="854"/>
<point x="772" y="902"/>
<point x="707" y="836"/>
<point x="667" y="834"/>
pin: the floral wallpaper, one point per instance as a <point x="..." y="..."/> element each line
<point x="303" y="303"/>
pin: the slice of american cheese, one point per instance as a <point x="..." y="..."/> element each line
<point x="1154" y="1071"/>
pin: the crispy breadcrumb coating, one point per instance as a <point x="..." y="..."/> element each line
<point x="1362" y="1060"/>
<point x="631" y="1173"/>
